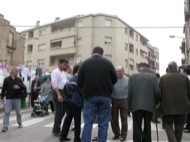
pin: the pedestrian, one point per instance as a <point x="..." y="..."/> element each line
<point x="58" y="81"/>
<point x="96" y="78"/>
<point x="143" y="95"/>
<point x="11" y="90"/>
<point x="47" y="91"/>
<point x="120" y="105"/>
<point x="175" y="92"/>
<point x="35" y="89"/>
<point x="73" y="107"/>
<point x="186" y="71"/>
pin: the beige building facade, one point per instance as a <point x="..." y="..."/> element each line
<point x="11" y="44"/>
<point x="74" y="39"/>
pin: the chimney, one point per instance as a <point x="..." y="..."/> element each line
<point x="57" y="19"/>
<point x="37" y="23"/>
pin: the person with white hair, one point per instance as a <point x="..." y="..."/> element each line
<point x="11" y="89"/>
<point x="120" y="105"/>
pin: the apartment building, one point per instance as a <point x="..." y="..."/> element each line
<point x="74" y="38"/>
<point x="185" y="46"/>
<point x="153" y="58"/>
<point x="11" y="44"/>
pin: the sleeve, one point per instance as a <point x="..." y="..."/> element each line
<point x="157" y="95"/>
<point x="80" y="80"/>
<point x="54" y="79"/>
<point x="188" y="88"/>
<point x="130" y="86"/>
<point x="4" y="88"/>
<point x="113" y="74"/>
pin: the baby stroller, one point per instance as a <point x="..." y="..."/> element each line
<point x="40" y="106"/>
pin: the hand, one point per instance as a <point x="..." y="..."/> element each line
<point x="16" y="87"/>
<point x="59" y="98"/>
<point x="2" y="101"/>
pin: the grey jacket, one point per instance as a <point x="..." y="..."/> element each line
<point x="143" y="92"/>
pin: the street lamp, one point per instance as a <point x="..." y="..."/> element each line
<point x="173" y="36"/>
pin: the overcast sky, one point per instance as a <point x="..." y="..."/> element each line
<point x="137" y="13"/>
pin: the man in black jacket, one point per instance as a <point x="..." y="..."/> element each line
<point x="12" y="86"/>
<point x="96" y="78"/>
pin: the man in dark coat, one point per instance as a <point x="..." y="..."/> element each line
<point x="175" y="92"/>
<point x="96" y="78"/>
<point x="35" y="89"/>
<point x="143" y="94"/>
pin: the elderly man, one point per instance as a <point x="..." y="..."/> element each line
<point x="143" y="94"/>
<point x="175" y="91"/>
<point x="12" y="86"/>
<point x="120" y="104"/>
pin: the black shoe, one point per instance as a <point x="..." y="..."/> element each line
<point x="186" y="131"/>
<point x="122" y="139"/>
<point x="95" y="139"/>
<point x="77" y="140"/>
<point x="56" y="134"/>
<point x="115" y="137"/>
<point x="64" y="139"/>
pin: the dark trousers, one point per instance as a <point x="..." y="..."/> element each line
<point x="119" y="106"/>
<point x="72" y="111"/>
<point x="34" y="96"/>
<point x="59" y="113"/>
<point x="51" y="103"/>
<point x="140" y="135"/>
<point x="188" y="121"/>
<point x="173" y="125"/>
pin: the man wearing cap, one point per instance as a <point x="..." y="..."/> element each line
<point x="143" y="94"/>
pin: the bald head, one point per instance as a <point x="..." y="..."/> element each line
<point x="119" y="71"/>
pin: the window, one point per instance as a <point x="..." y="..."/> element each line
<point x="136" y="37"/>
<point x="10" y="40"/>
<point x="78" y="59"/>
<point x="79" y="24"/>
<point x="108" y="56"/>
<point x="28" y="63"/>
<point x="41" y="47"/>
<point x="41" y="63"/>
<point x="126" y="31"/>
<point x="131" y="48"/>
<point x="79" y="41"/>
<point x="29" y="48"/>
<point x="108" y="40"/>
<point x="126" y="62"/>
<point x="42" y="32"/>
<point x="126" y="47"/>
<point x="131" y="33"/>
<point x="137" y="52"/>
<point x="108" y="22"/>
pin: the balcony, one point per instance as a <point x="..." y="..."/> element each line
<point x="62" y="51"/>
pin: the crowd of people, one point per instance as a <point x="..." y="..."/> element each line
<point x="103" y="91"/>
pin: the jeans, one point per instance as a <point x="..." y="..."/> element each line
<point x="101" y="106"/>
<point x="9" y="104"/>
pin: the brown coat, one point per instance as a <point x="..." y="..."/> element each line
<point x="175" y="93"/>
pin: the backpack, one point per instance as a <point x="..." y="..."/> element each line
<point x="67" y="90"/>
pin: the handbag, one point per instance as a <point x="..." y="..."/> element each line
<point x="66" y="90"/>
<point x="23" y="94"/>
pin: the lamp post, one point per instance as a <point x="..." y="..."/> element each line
<point x="183" y="49"/>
